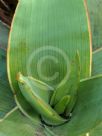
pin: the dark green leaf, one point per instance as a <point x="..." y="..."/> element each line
<point x="7" y="102"/>
<point x="4" y="31"/>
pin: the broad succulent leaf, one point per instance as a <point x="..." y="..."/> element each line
<point x="97" y="62"/>
<point x="60" y="107"/>
<point x="39" y="88"/>
<point x="87" y="113"/>
<point x="4" y="31"/>
<point x="72" y="83"/>
<point x="86" y="117"/>
<point x="90" y="90"/>
<point x="7" y="101"/>
<point x="38" y="98"/>
<point x="54" y="31"/>
<point x="95" y="10"/>
<point x="17" y="124"/>
<point x="97" y="131"/>
<point x="3" y="71"/>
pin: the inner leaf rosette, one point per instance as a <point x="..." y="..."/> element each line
<point x="44" y="47"/>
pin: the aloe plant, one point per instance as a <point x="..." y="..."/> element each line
<point x="54" y="86"/>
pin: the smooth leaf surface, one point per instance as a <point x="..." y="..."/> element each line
<point x="60" y="107"/>
<point x="40" y="89"/>
<point x="71" y="85"/>
<point x="97" y="62"/>
<point x="7" y="101"/>
<point x="95" y="10"/>
<point x="42" y="45"/>
<point x="3" y="73"/>
<point x="4" y="31"/>
<point x="96" y="131"/>
<point x="16" y="124"/>
<point x="38" y="100"/>
<point x="88" y="110"/>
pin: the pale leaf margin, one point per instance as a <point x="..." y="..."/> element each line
<point x="90" y="32"/>
<point x="14" y="109"/>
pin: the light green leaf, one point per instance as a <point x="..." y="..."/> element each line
<point x="42" y="45"/>
<point x="62" y="104"/>
<point x="16" y="124"/>
<point x="48" y="132"/>
<point x="97" y="131"/>
<point x="40" y="89"/>
<point x="88" y="110"/>
<point x="71" y="85"/>
<point x="97" y="62"/>
<point x="38" y="100"/>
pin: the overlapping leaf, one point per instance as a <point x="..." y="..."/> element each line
<point x="97" y="62"/>
<point x="86" y="119"/>
<point x="95" y="10"/>
<point x="3" y="46"/>
<point x="17" y="124"/>
<point x="7" y="102"/>
<point x="4" y="30"/>
<point x="95" y="7"/>
<point x="88" y="110"/>
<point x="53" y="31"/>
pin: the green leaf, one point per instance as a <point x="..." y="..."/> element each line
<point x="16" y="124"/>
<point x="4" y="32"/>
<point x="95" y="10"/>
<point x="97" y="62"/>
<point x="87" y="113"/>
<point x="97" y="131"/>
<point x="38" y="100"/>
<point x="48" y="132"/>
<point x="40" y="89"/>
<point x="42" y="45"/>
<point x="7" y="102"/>
<point x="71" y="85"/>
<point x="62" y="104"/>
<point x="3" y="73"/>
